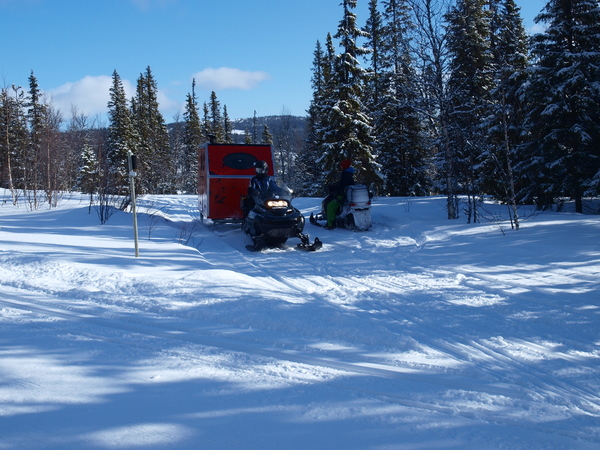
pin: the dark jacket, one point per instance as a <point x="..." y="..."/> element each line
<point x="346" y="179"/>
<point x="261" y="184"/>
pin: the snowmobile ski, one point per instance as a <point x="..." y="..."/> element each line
<point x="316" y="245"/>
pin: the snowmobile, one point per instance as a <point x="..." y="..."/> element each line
<point x="270" y="219"/>
<point x="354" y="212"/>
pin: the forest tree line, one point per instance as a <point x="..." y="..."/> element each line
<point x="426" y="97"/>
<point x="453" y="97"/>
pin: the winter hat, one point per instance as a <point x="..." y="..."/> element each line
<point x="345" y="164"/>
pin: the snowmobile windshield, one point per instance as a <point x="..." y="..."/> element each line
<point x="272" y="188"/>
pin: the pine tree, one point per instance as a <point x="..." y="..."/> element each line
<point x="36" y="115"/>
<point x="215" y="120"/>
<point x="122" y="138"/>
<point x="564" y="100"/>
<point x="397" y="117"/>
<point x="311" y="181"/>
<point x="155" y="162"/>
<point x="193" y="139"/>
<point x="348" y="132"/>
<point x="504" y="124"/>
<point x="469" y="87"/>
<point x="227" y="126"/>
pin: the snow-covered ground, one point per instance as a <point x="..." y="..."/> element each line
<point x="422" y="333"/>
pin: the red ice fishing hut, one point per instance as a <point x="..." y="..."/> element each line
<point x="224" y="173"/>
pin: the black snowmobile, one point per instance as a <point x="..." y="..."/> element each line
<point x="270" y="219"/>
<point x="354" y="212"/>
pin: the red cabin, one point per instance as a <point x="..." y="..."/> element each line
<point x="224" y="173"/>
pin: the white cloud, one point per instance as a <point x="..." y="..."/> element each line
<point x="89" y="95"/>
<point x="228" y="78"/>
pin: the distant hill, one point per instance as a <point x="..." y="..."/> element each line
<point x="296" y="124"/>
<point x="274" y="123"/>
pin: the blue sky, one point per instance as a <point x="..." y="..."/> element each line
<point x="255" y="54"/>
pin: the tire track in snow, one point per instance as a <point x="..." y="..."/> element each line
<point x="490" y="360"/>
<point x="541" y="380"/>
<point x="382" y="375"/>
<point x="492" y="364"/>
<point x="485" y="357"/>
<point x="500" y="360"/>
<point x="213" y="338"/>
<point x="380" y="387"/>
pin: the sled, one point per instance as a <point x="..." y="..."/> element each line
<point x="224" y="172"/>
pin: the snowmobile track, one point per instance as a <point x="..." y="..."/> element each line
<point x="492" y="361"/>
<point x="382" y="375"/>
<point x="219" y="340"/>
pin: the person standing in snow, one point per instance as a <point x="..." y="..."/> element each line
<point x="336" y="192"/>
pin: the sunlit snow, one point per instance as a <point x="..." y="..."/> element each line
<point x="420" y="333"/>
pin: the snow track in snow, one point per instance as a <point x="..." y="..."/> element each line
<point x="418" y="332"/>
<point x="221" y="339"/>
<point x="345" y="367"/>
<point x="485" y="360"/>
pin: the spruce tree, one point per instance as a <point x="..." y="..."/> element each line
<point x="254" y="128"/>
<point x="227" y="127"/>
<point x="505" y="121"/>
<point x="348" y="133"/>
<point x="397" y="112"/>
<point x="311" y="180"/>
<point x="193" y="139"/>
<point x="155" y="162"/>
<point x="266" y="137"/>
<point x="248" y="137"/>
<point x="469" y="85"/>
<point x="564" y="100"/>
<point x="205" y="123"/>
<point x="122" y="138"/>
<point x="374" y="79"/>
<point x="87" y="181"/>
<point x="33" y="169"/>
<point x="215" y="119"/>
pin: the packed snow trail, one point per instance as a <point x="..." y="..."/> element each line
<point x="151" y="327"/>
<point x="420" y="332"/>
